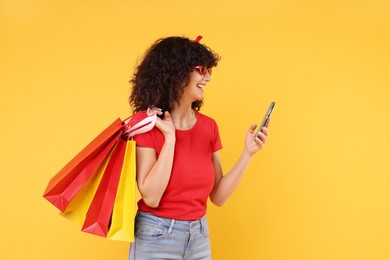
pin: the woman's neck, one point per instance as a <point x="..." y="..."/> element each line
<point x="184" y="118"/>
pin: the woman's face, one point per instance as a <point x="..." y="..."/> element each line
<point x="194" y="90"/>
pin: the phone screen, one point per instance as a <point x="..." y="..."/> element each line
<point x="266" y="117"/>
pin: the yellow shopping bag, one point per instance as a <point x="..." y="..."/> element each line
<point x="78" y="207"/>
<point x="122" y="220"/>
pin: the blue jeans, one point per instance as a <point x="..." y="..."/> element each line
<point x="159" y="238"/>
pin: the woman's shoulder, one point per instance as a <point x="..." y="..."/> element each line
<point x="205" y="119"/>
<point x="138" y="116"/>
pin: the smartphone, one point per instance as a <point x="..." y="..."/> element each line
<point x="266" y="117"/>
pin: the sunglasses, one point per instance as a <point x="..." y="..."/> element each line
<point x="203" y="70"/>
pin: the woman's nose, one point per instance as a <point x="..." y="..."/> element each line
<point x="207" y="76"/>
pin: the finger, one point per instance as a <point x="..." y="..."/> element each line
<point x="259" y="142"/>
<point x="252" y="128"/>
<point x="262" y="137"/>
<point x="167" y="116"/>
<point x="153" y="110"/>
<point x="267" y="124"/>
<point x="265" y="131"/>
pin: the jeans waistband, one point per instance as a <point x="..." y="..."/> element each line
<point x="183" y="225"/>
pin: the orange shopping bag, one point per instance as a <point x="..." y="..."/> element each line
<point x="71" y="178"/>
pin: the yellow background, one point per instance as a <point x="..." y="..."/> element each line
<point x="320" y="189"/>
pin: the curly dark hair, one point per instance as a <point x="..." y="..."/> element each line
<point x="164" y="72"/>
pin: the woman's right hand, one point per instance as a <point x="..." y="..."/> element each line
<point x="165" y="125"/>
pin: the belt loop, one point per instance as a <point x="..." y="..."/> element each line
<point x="201" y="225"/>
<point x="171" y="226"/>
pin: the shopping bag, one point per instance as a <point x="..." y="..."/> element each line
<point x="122" y="224"/>
<point x="92" y="166"/>
<point x="71" y="178"/>
<point x="78" y="207"/>
<point x="139" y="123"/>
<point x="85" y="190"/>
<point x="99" y="213"/>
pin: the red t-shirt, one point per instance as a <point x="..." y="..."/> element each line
<point x="192" y="177"/>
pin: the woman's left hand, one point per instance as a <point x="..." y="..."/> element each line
<point x="254" y="144"/>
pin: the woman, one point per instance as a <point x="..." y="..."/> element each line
<point x="178" y="164"/>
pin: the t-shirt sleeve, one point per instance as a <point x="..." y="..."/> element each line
<point x="145" y="140"/>
<point x="217" y="145"/>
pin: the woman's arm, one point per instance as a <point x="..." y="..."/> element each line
<point x="226" y="184"/>
<point x="153" y="174"/>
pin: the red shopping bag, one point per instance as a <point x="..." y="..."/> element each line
<point x="71" y="178"/>
<point x="100" y="211"/>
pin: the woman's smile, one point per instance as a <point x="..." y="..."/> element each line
<point x="201" y="85"/>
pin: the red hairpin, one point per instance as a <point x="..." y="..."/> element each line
<point x="198" y="38"/>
